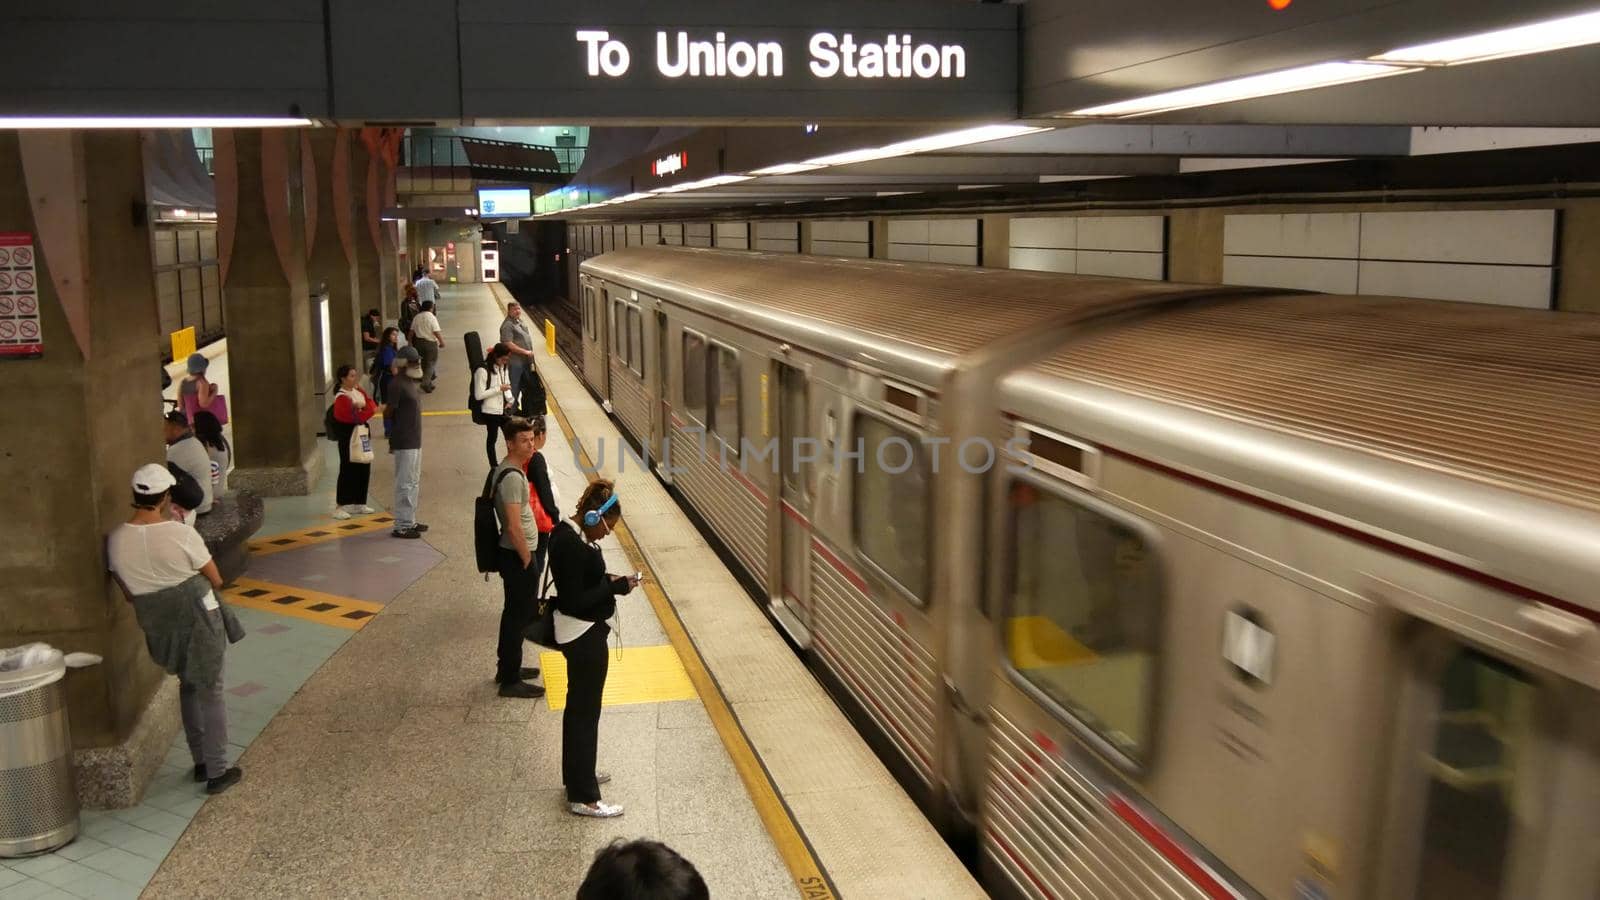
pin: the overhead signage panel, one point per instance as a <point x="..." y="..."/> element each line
<point x="730" y="59"/>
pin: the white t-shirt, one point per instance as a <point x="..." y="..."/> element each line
<point x="427" y="289"/>
<point x="149" y="558"/>
<point x="424" y="325"/>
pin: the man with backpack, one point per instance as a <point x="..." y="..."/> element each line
<point x="520" y="556"/>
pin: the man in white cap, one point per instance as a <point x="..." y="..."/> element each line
<point x="167" y="573"/>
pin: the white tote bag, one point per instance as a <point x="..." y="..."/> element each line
<point x="360" y="445"/>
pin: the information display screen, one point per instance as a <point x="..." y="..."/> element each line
<point x="504" y="202"/>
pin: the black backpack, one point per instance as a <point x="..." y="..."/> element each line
<point x="330" y="425"/>
<point x="187" y="493"/>
<point x="486" y="525"/>
<point x="474" y="405"/>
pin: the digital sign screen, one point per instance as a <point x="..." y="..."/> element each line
<point x="505" y="202"/>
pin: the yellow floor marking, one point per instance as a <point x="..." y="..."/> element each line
<point x="447" y="412"/>
<point x="637" y="675"/>
<point x="809" y="877"/>
<point x="299" y="603"/>
<point x="332" y="531"/>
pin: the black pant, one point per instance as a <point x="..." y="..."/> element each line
<point x="587" y="661"/>
<point x="493" y="424"/>
<point x="351" y="489"/>
<point x="521" y="585"/>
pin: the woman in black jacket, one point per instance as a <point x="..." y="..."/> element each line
<point x="586" y="598"/>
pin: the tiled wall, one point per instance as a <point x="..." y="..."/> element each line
<point x="650" y="234"/>
<point x="934" y="240"/>
<point x="1121" y="246"/>
<point x="697" y="234"/>
<point x="842" y="237"/>
<point x="1482" y="256"/>
<point x="733" y="235"/>
<point x="672" y="233"/>
<point x="777" y="237"/>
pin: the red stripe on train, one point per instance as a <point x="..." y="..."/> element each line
<point x="1172" y="851"/>
<point x="839" y="566"/>
<point x="1006" y="849"/>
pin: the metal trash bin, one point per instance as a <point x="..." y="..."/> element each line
<point x="38" y="799"/>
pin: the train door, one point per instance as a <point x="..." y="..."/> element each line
<point x="1495" y="779"/>
<point x="659" y="410"/>
<point x="796" y="445"/>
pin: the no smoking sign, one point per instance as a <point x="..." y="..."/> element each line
<point x="20" y="335"/>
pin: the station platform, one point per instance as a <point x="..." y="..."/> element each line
<point x="379" y="760"/>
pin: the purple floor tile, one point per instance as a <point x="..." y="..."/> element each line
<point x="246" y="689"/>
<point x="369" y="566"/>
<point x="274" y="628"/>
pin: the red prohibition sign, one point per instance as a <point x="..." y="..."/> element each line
<point x="5" y="281"/>
<point x="22" y="256"/>
<point x="7" y="306"/>
<point x="25" y="281"/>
<point x="30" y="329"/>
<point x="27" y="304"/>
<point x="5" y="257"/>
<point x="8" y="330"/>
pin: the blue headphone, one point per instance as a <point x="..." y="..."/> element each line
<point x="592" y="518"/>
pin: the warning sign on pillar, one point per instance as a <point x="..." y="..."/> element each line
<point x="19" y="298"/>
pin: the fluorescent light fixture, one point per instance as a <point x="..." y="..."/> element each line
<point x="1250" y="87"/>
<point x="33" y="122"/>
<point x="942" y="141"/>
<point x="786" y="169"/>
<point x="1555" y="34"/>
<point x="702" y="183"/>
<point x="629" y="198"/>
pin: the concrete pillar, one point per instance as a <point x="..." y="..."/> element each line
<point x="366" y="184"/>
<point x="330" y="242"/>
<point x="1578" y="289"/>
<point x="1194" y="245"/>
<point x="995" y="235"/>
<point x="387" y="252"/>
<point x="261" y="236"/>
<point x="77" y="421"/>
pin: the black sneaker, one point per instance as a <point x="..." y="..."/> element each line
<point x="200" y="772"/>
<point x="224" y="781"/>
<point x="418" y="527"/>
<point x="409" y="534"/>
<point x="529" y="673"/>
<point x="521" y="689"/>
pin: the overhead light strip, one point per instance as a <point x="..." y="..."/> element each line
<point x="1539" y="37"/>
<point x="1249" y="87"/>
<point x="29" y="123"/>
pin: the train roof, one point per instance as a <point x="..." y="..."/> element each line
<point x="920" y="316"/>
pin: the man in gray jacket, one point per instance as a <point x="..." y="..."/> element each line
<point x="405" y="441"/>
<point x="186" y="452"/>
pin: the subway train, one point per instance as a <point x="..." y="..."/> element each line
<point x="1152" y="590"/>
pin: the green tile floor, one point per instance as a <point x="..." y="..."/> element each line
<point x="117" y="851"/>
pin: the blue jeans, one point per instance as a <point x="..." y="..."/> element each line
<point x="514" y="370"/>
<point x="407" y="483"/>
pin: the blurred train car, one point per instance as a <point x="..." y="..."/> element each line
<point x="1158" y="590"/>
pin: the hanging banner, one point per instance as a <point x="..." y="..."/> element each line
<point x="20" y="337"/>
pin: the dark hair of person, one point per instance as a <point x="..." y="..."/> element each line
<point x="642" y="870"/>
<point x="427" y="306"/>
<point x="148" y="501"/>
<point x="498" y="351"/>
<point x="514" y="426"/>
<point x="209" y="431"/>
<point x="391" y="335"/>
<point x="344" y="370"/>
<point x="537" y="424"/>
<point x="596" y="495"/>
<point x="176" y="417"/>
<point x="373" y="312"/>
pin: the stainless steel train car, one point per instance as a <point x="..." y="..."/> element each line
<point x="1157" y="590"/>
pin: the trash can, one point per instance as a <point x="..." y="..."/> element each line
<point x="38" y="800"/>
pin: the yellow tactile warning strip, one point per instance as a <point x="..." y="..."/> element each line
<point x="332" y="531"/>
<point x="327" y="609"/>
<point x="809" y="876"/>
<point x="635" y="675"/>
<point x="447" y="412"/>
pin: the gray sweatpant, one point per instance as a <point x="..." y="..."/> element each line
<point x="205" y="724"/>
<point x="428" y="349"/>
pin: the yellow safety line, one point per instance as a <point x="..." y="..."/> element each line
<point x="267" y="596"/>
<point x="317" y="534"/>
<point x="808" y="874"/>
<point x="636" y="675"/>
<point x="446" y="412"/>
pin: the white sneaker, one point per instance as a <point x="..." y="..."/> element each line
<point x="600" y="810"/>
<point x="365" y="510"/>
<point x="341" y="513"/>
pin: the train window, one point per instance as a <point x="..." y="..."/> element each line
<point x="1083" y="616"/>
<point x="892" y="502"/>
<point x="635" y="341"/>
<point x="694" y="376"/>
<point x="1481" y="737"/>
<point x="724" y="388"/>
<point x="619" y="329"/>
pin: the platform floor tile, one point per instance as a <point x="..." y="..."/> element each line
<point x="635" y="675"/>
